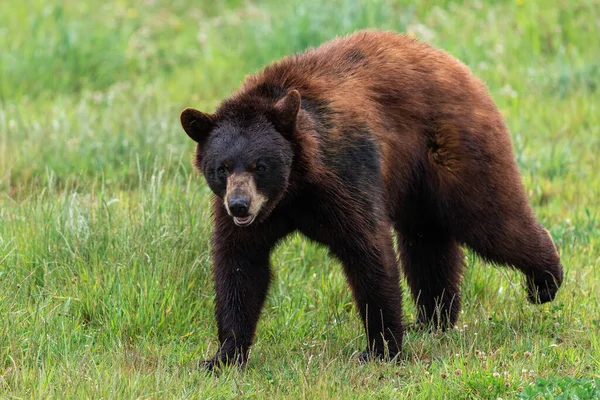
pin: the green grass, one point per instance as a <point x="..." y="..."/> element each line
<point x="105" y="288"/>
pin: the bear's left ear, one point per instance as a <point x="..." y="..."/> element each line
<point x="197" y="124"/>
<point x="286" y="112"/>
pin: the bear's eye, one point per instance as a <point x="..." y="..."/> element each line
<point x="221" y="171"/>
<point x="261" y="168"/>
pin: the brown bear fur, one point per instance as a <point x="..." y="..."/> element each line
<point x="381" y="133"/>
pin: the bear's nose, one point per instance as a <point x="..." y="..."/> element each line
<point x="238" y="206"/>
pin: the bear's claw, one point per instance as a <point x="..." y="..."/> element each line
<point x="543" y="291"/>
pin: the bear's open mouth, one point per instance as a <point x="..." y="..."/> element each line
<point x="244" y="221"/>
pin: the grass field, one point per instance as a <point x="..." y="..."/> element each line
<point x="105" y="288"/>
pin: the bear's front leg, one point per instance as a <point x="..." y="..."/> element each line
<point x="370" y="266"/>
<point x="242" y="275"/>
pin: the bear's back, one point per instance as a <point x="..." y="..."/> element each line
<point x="389" y="81"/>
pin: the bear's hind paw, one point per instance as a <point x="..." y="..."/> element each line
<point x="542" y="292"/>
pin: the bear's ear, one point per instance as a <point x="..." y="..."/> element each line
<point x="286" y="111"/>
<point x="197" y="124"/>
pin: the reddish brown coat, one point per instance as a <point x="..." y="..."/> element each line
<point x="391" y="133"/>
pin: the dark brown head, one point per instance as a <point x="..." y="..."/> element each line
<point x="245" y="153"/>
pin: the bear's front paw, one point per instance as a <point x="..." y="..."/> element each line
<point x="377" y="355"/>
<point x="222" y="359"/>
<point x="543" y="290"/>
<point x="210" y="365"/>
<point x="368" y="356"/>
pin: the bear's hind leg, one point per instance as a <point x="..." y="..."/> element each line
<point x="482" y="201"/>
<point x="520" y="242"/>
<point x="432" y="262"/>
<point x="499" y="224"/>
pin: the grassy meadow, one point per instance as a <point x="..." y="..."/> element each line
<point x="105" y="287"/>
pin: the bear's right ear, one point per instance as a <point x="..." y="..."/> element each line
<point x="196" y="124"/>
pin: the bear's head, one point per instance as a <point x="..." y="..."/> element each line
<point x="245" y="152"/>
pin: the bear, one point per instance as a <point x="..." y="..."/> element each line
<point x="370" y="135"/>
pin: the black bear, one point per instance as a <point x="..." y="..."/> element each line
<point x="368" y="134"/>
